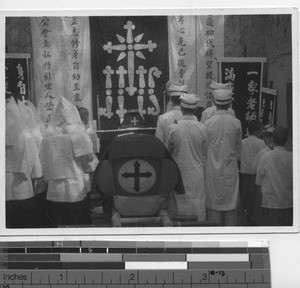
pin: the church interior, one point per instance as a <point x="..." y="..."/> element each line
<point x="105" y="78"/>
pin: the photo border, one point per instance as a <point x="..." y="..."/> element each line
<point x="95" y="231"/>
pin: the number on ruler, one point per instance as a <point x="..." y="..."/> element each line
<point x="131" y="277"/>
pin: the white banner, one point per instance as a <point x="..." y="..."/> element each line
<point x="182" y="50"/>
<point x="61" y="57"/>
<point x="194" y="44"/>
<point x="210" y="46"/>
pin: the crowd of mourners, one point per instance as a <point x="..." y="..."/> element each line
<point x="228" y="180"/>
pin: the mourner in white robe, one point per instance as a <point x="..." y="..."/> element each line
<point x="188" y="145"/>
<point x="66" y="152"/>
<point x="165" y="120"/>
<point x="224" y="148"/>
<point x="251" y="146"/>
<point x="275" y="177"/>
<point x="211" y="111"/>
<point x="84" y="115"/>
<point x="21" y="165"/>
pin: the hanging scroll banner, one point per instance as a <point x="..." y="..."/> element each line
<point x="46" y="62"/>
<point x="268" y="106"/>
<point x="61" y="62"/>
<point x="210" y="46"/>
<point x="245" y="76"/>
<point x="182" y="50"/>
<point x="129" y="67"/>
<point x="77" y="64"/>
<point x="194" y="44"/>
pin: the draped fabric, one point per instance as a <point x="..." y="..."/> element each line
<point x="61" y="58"/>
<point x="129" y="67"/>
<point x="112" y="64"/>
<point x="194" y="44"/>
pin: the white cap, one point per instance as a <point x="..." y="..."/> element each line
<point x="189" y="101"/>
<point x="222" y="96"/>
<point x="216" y="86"/>
<point x="177" y="90"/>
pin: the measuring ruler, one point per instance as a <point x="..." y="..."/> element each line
<point x="116" y="264"/>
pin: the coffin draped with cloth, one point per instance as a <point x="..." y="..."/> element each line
<point x="138" y="173"/>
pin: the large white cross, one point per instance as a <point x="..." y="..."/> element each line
<point x="131" y="49"/>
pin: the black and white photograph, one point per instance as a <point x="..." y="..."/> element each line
<point x="149" y="143"/>
<point x="150" y="120"/>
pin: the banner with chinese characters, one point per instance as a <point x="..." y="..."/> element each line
<point x="194" y="44"/>
<point x="245" y="77"/>
<point x="17" y="79"/>
<point x="129" y="67"/>
<point x="268" y="106"/>
<point x="61" y="57"/>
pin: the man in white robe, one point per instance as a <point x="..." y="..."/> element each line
<point x="224" y="149"/>
<point x="188" y="146"/>
<point x="165" y="120"/>
<point x="210" y="111"/>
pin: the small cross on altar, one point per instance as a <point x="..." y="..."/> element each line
<point x="134" y="121"/>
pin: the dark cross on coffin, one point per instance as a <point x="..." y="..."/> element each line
<point x="137" y="175"/>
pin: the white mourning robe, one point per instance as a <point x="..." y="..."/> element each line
<point x="224" y="150"/>
<point x="165" y="121"/>
<point x="21" y="155"/>
<point x="188" y="145"/>
<point x="211" y="111"/>
<point x="251" y="146"/>
<point x="65" y="153"/>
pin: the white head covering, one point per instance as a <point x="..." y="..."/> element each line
<point x="216" y="86"/>
<point x="67" y="119"/>
<point x="189" y="101"/>
<point x="177" y="90"/>
<point x="31" y="121"/>
<point x="21" y="149"/>
<point x="37" y="116"/>
<point x="65" y="139"/>
<point x="222" y="97"/>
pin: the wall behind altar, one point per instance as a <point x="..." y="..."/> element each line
<point x="264" y="36"/>
<point x="245" y="36"/>
<point x="18" y="35"/>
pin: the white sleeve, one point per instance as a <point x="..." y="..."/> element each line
<point x="260" y="171"/>
<point x="159" y="133"/>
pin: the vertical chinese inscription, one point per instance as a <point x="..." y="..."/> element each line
<point x="252" y="102"/>
<point x="46" y="67"/>
<point x="75" y="62"/>
<point x="209" y="57"/>
<point x="181" y="46"/>
<point x="21" y="85"/>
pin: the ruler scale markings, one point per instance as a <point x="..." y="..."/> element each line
<point x="222" y="272"/>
